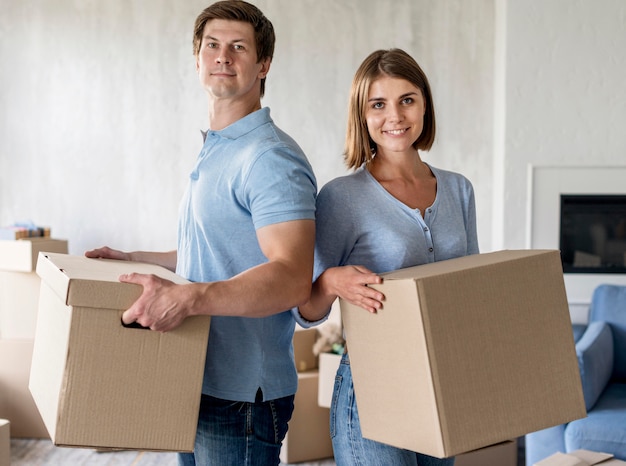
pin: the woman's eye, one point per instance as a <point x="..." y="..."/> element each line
<point x="377" y="105"/>
<point x="408" y="100"/>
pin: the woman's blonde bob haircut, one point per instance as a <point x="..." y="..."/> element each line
<point x="396" y="63"/>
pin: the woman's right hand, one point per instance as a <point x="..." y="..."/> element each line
<point x="351" y="282"/>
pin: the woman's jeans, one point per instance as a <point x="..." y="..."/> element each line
<point x="236" y="433"/>
<point x="350" y="448"/>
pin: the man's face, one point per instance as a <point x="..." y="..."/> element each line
<point x="227" y="61"/>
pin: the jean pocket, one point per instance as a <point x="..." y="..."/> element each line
<point x="334" y="405"/>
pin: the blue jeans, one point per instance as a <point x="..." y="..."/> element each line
<point x="350" y="448"/>
<point x="238" y="433"/>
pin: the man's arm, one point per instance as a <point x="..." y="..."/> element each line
<point x="281" y="283"/>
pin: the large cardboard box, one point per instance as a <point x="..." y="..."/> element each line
<point x="581" y="458"/>
<point x="100" y="384"/>
<point x="501" y="454"/>
<point x="308" y="437"/>
<point x="16" y="402"/>
<point x="466" y="353"/>
<point x="19" y="284"/>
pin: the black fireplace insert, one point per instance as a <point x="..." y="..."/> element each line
<point x="593" y="233"/>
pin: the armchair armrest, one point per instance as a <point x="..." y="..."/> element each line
<point x="595" y="360"/>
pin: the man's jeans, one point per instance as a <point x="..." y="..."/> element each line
<point x="350" y="448"/>
<point x="235" y="433"/>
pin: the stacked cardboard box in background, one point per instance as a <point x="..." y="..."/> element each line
<point x="19" y="298"/>
<point x="308" y="437"/>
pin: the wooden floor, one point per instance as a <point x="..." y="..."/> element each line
<point x="34" y="452"/>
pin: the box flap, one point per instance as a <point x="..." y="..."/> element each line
<point x="461" y="264"/>
<point x="578" y="458"/>
<point x="85" y="282"/>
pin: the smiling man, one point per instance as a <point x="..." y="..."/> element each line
<point x="245" y="239"/>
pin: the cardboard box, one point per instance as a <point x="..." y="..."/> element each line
<point x="308" y="437"/>
<point x="303" y="341"/>
<point x="19" y="284"/>
<point x="5" y="442"/>
<point x="580" y="458"/>
<point x="466" y="353"/>
<point x="501" y="454"/>
<point x="16" y="402"/>
<point x="21" y="255"/>
<point x="99" y="384"/>
<point x="329" y="363"/>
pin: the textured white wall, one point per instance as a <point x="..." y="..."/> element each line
<point x="565" y="98"/>
<point x="100" y="109"/>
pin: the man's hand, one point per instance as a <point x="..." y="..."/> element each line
<point x="106" y="252"/>
<point x="160" y="306"/>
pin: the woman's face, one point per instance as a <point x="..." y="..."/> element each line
<point x="394" y="114"/>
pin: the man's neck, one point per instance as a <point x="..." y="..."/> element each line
<point x="223" y="113"/>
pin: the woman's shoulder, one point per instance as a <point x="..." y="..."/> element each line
<point x="450" y="177"/>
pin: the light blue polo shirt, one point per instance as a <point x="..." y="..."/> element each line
<point x="247" y="176"/>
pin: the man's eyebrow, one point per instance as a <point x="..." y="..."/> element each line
<point x="215" y="39"/>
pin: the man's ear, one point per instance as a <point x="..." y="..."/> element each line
<point x="265" y="67"/>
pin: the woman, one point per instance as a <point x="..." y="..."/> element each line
<point x="394" y="211"/>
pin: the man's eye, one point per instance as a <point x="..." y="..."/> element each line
<point x="238" y="47"/>
<point x="211" y="45"/>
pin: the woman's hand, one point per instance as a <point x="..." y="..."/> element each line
<point x="350" y="283"/>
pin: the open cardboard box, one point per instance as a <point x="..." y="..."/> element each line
<point x="580" y="458"/>
<point x="466" y="353"/>
<point x="99" y="384"/>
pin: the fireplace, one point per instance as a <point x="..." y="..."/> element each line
<point x="592" y="235"/>
<point x="591" y="184"/>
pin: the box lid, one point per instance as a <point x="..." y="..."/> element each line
<point x="84" y="282"/>
<point x="21" y="255"/>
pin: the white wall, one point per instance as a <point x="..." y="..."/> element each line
<point x="565" y="97"/>
<point x="101" y="109"/>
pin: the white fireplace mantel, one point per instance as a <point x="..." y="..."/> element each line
<point x="547" y="183"/>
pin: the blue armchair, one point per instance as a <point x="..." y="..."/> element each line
<point x="601" y="352"/>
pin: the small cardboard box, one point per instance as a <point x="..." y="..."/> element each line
<point x="329" y="363"/>
<point x="466" y="353"/>
<point x="5" y="442"/>
<point x="16" y="402"/>
<point x="101" y="385"/>
<point x="581" y="458"/>
<point x="501" y="454"/>
<point x="303" y="341"/>
<point x="21" y="255"/>
<point x="19" y="284"/>
<point x="308" y="437"/>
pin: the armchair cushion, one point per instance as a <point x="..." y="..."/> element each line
<point x="609" y="304"/>
<point x="595" y="360"/>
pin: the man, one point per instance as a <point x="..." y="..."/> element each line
<point x="246" y="240"/>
